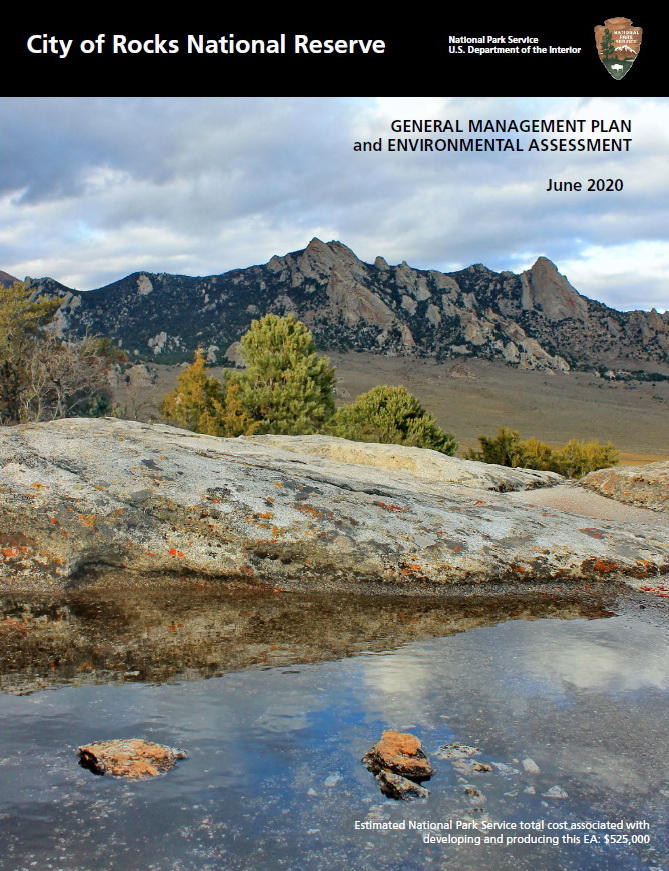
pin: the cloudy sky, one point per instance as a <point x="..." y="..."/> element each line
<point x="94" y="188"/>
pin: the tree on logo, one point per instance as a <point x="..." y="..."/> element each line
<point x="606" y="45"/>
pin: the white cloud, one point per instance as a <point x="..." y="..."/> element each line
<point x="92" y="189"/>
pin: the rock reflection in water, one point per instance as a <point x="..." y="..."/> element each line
<point x="117" y="629"/>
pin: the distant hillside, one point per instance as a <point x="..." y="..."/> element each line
<point x="535" y="320"/>
<point x="6" y="280"/>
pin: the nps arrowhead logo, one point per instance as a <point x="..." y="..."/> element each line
<point x="618" y="43"/>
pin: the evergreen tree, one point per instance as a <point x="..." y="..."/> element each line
<point x="502" y="450"/>
<point x="391" y="415"/>
<point x="203" y="404"/>
<point x="286" y="385"/>
<point x="606" y="45"/>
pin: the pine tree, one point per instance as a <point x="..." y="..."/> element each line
<point x="286" y="385"/>
<point x="606" y="45"/>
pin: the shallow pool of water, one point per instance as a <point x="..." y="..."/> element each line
<point x="274" y="778"/>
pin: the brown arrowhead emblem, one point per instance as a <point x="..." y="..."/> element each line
<point x="618" y="42"/>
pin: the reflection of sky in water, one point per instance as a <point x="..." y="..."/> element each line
<point x="589" y="695"/>
<point x="274" y="778"/>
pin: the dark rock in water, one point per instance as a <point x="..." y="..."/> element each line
<point x="475" y="794"/>
<point x="396" y="786"/>
<point x="130" y="757"/>
<point x="401" y="753"/>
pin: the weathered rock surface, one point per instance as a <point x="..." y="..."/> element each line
<point x="457" y="750"/>
<point x="399" y="752"/>
<point x="129" y="757"/>
<point x="401" y="788"/>
<point x="419" y="462"/>
<point x="645" y="486"/>
<point x="148" y="498"/>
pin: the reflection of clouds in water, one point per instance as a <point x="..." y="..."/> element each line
<point x="401" y="686"/>
<point x="399" y="675"/>
<point x="608" y="656"/>
<point x="512" y="664"/>
<point x="609" y="770"/>
<point x="585" y="699"/>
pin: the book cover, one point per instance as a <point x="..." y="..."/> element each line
<point x="395" y="631"/>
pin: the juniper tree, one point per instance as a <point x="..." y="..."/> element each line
<point x="42" y="376"/>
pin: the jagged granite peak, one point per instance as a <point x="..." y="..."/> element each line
<point x="535" y="320"/>
<point x="546" y="290"/>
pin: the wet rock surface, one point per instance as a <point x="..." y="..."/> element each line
<point x="401" y="788"/>
<point x="129" y="757"/>
<point x="457" y="750"/>
<point x="399" y="764"/>
<point x="644" y="486"/>
<point x="80" y="493"/>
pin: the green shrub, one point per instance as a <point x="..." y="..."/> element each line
<point x="577" y="458"/>
<point x="391" y="415"/>
<point x="574" y="460"/>
<point x="503" y="449"/>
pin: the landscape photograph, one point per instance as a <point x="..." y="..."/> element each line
<point x="334" y="483"/>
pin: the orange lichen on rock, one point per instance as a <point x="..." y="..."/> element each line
<point x="10" y="552"/>
<point x="606" y="568"/>
<point x="401" y="753"/>
<point x="130" y="757"/>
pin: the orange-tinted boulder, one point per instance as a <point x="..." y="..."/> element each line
<point x="401" y="753"/>
<point x="128" y="757"/>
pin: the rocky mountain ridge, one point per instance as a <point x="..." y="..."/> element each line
<point x="534" y="320"/>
